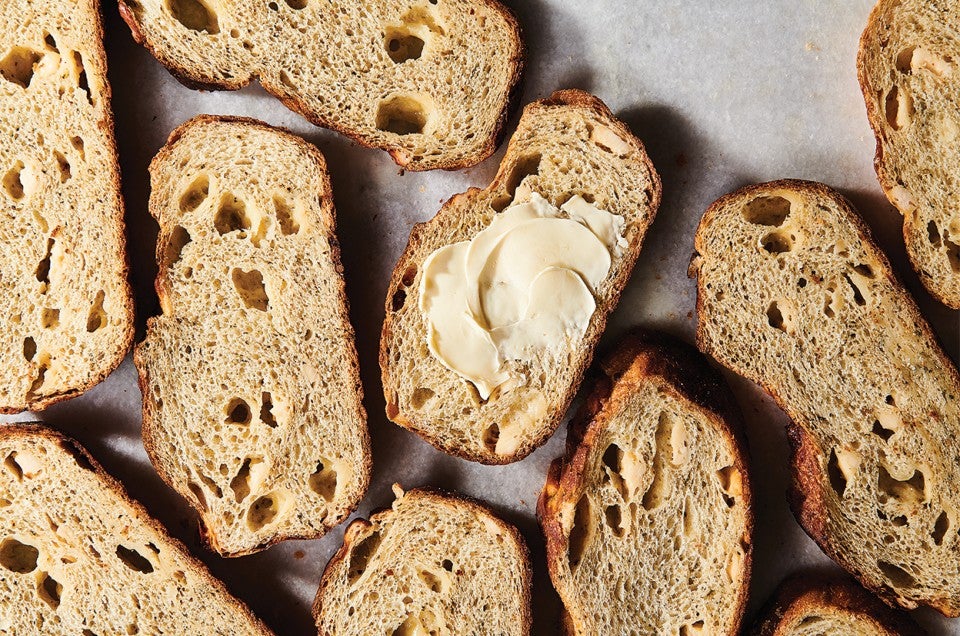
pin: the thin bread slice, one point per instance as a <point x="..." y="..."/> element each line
<point x="653" y="501"/>
<point x="78" y="556"/>
<point x="430" y="82"/>
<point x="565" y="146"/>
<point x="434" y="563"/>
<point x="252" y="401"/>
<point x="909" y="74"/>
<point x="794" y="295"/>
<point x="68" y="312"/>
<point x="818" y="604"/>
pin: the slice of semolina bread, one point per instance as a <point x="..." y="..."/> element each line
<point x="794" y="294"/>
<point x="652" y="502"/>
<point x="827" y="605"/>
<point x="429" y="81"/>
<point x="909" y="68"/>
<point x="64" y="297"/>
<point x="78" y="556"/>
<point x="252" y="401"/>
<point x="566" y="146"/>
<point x="432" y="564"/>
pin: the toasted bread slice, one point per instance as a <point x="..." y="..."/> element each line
<point x="794" y="294"/>
<point x="909" y="68"/>
<point x="68" y="312"/>
<point x="817" y="604"/>
<point x="653" y="500"/>
<point x="432" y="564"/>
<point x="77" y="556"/>
<point x="567" y="145"/>
<point x="429" y="82"/>
<point x="252" y="401"/>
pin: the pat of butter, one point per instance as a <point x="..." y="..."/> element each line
<point x="521" y="289"/>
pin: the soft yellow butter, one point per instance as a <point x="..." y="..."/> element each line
<point x="523" y="287"/>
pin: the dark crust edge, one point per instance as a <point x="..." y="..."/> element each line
<point x="823" y="593"/>
<point x="40" y="430"/>
<point x="934" y="287"/>
<point x="125" y="340"/>
<point x="564" y="98"/>
<point x="517" y="63"/>
<point x="382" y="516"/>
<point x="150" y="437"/>
<point x="805" y="496"/>
<point x="677" y="368"/>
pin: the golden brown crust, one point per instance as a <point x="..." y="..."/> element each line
<point x="561" y="98"/>
<point x="39" y="430"/>
<point x="150" y="437"/>
<point x="815" y="593"/>
<point x="402" y="159"/>
<point x="357" y="526"/>
<point x="678" y="369"/>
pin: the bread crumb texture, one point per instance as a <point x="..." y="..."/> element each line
<point x="63" y="275"/>
<point x="78" y="557"/>
<point x="909" y="73"/>
<point x="433" y="564"/>
<point x="649" y="521"/>
<point x="429" y="81"/>
<point x="564" y="146"/>
<point x="794" y="294"/>
<point x="252" y="397"/>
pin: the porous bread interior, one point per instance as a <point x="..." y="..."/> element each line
<point x="657" y="516"/>
<point x="430" y="565"/>
<point x="65" y="300"/>
<point x="428" y="80"/>
<point x="794" y="295"/>
<point x="910" y="72"/>
<point x="252" y="399"/>
<point x="831" y="620"/>
<point x="558" y="151"/>
<point x="77" y="557"/>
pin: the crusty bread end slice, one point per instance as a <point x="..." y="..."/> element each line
<point x="794" y="294"/>
<point x="78" y="556"/>
<point x="653" y="501"/>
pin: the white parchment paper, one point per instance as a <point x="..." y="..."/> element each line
<point x="723" y="93"/>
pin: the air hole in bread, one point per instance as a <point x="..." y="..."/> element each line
<point x="490" y="437"/>
<point x="613" y="461"/>
<point x="82" y="82"/>
<point x="731" y="484"/>
<point x="17" y="66"/>
<point x="525" y="166"/>
<point x="659" y="489"/>
<point x="402" y="45"/>
<point x="398" y="299"/>
<point x="49" y="590"/>
<point x="179" y="238"/>
<point x="689" y="518"/>
<point x="361" y="556"/>
<point x="409" y="275"/>
<point x="29" y="348"/>
<point x="898" y="108"/>
<point x="581" y="534"/>
<point x="614" y="520"/>
<point x="97" y="318"/>
<point x="777" y="243"/>
<point x="838" y="482"/>
<point x="266" y="410"/>
<point x="608" y="140"/>
<point x="49" y="318"/>
<point x="909" y="491"/>
<point x="865" y="270"/>
<point x="420" y="397"/>
<point x="77" y="143"/>
<point x="18" y="557"/>
<point x="898" y="577"/>
<point x="286" y="216"/>
<point x="198" y="495"/>
<point x="905" y="59"/>
<point x="195" y="194"/>
<point x="43" y="268"/>
<point x="953" y="254"/>
<point x="857" y="293"/>
<point x="240" y="484"/>
<point x="692" y="629"/>
<point x="263" y="512"/>
<point x="883" y="433"/>
<point x="63" y="166"/>
<point x="250" y="287"/>
<point x="435" y="581"/>
<point x="829" y="298"/>
<point x="12" y="183"/>
<point x="238" y="412"/>
<point x="296" y="4"/>
<point x="940" y="528"/>
<point x="323" y="480"/>
<point x="412" y="626"/>
<point x="767" y="210"/>
<point x="37" y="383"/>
<point x="775" y="317"/>
<point x="134" y="560"/>
<point x="194" y="14"/>
<point x="231" y="215"/>
<point x="404" y="114"/>
<point x="51" y="42"/>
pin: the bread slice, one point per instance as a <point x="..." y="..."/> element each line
<point x="78" y="556"/>
<point x="567" y="145"/>
<point x="909" y="68"/>
<point x="432" y="564"/>
<point x="794" y="294"/>
<point x="430" y="82"/>
<point x="815" y="604"/>
<point x="66" y="303"/>
<point x="252" y="402"/>
<point x="653" y="501"/>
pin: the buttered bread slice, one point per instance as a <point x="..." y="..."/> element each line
<point x="495" y="306"/>
<point x="77" y="556"/>
<point x="428" y="81"/>
<point x="64" y="298"/>
<point x="252" y="403"/>
<point x="793" y="293"/>
<point x="648" y="519"/>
